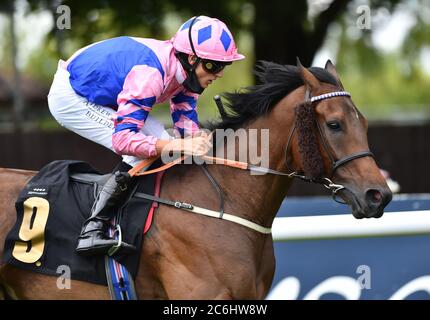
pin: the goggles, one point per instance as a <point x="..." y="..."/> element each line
<point x="212" y="66"/>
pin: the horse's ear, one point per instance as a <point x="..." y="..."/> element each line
<point x="308" y="78"/>
<point x="329" y="66"/>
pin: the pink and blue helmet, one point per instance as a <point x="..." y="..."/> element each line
<point x="210" y="37"/>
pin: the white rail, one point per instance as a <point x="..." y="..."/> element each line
<point x="346" y="226"/>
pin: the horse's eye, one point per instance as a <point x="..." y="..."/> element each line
<point x="334" y="125"/>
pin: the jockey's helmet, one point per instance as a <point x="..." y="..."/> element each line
<point x="206" y="38"/>
<point x="210" y="41"/>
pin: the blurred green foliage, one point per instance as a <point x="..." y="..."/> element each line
<point x="387" y="85"/>
<point x="382" y="84"/>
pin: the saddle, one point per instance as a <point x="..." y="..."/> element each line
<point x="51" y="210"/>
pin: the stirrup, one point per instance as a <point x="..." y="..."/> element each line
<point x="112" y="250"/>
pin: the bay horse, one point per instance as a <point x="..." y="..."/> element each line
<point x="190" y="256"/>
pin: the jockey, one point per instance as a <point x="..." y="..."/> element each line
<point x="106" y="91"/>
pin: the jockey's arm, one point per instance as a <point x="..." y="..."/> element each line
<point x="183" y="109"/>
<point x="141" y="88"/>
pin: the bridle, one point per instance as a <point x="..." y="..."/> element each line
<point x="220" y="214"/>
<point x="336" y="164"/>
<point x="325" y="181"/>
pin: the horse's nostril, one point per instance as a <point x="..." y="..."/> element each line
<point x="377" y="196"/>
<point x="374" y="197"/>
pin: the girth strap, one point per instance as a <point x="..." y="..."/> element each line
<point x="206" y="212"/>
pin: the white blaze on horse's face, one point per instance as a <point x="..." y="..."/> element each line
<point x="356" y="112"/>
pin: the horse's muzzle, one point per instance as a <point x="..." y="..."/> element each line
<point x="368" y="204"/>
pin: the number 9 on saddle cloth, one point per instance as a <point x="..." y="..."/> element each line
<point x="51" y="210"/>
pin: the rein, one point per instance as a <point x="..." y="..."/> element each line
<point x="326" y="182"/>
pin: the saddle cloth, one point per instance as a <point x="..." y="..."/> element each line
<point x="51" y="210"/>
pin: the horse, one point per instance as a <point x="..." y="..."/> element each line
<point x="316" y="133"/>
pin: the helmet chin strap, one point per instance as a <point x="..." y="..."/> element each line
<point x="191" y="83"/>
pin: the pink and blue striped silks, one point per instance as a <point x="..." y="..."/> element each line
<point x="132" y="75"/>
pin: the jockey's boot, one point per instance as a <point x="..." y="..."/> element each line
<point x="94" y="239"/>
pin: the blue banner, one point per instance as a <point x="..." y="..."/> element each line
<point x="366" y="268"/>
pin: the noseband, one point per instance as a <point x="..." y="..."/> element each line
<point x="336" y="164"/>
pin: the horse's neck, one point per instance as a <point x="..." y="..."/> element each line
<point x="255" y="197"/>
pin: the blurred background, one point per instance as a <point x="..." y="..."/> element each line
<point x="381" y="49"/>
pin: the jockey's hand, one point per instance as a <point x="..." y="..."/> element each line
<point x="195" y="145"/>
<point x="202" y="133"/>
<point x="198" y="144"/>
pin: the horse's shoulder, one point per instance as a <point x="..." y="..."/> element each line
<point x="17" y="175"/>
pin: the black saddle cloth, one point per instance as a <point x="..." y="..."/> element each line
<point x="48" y="245"/>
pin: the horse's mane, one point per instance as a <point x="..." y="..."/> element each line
<point x="276" y="81"/>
